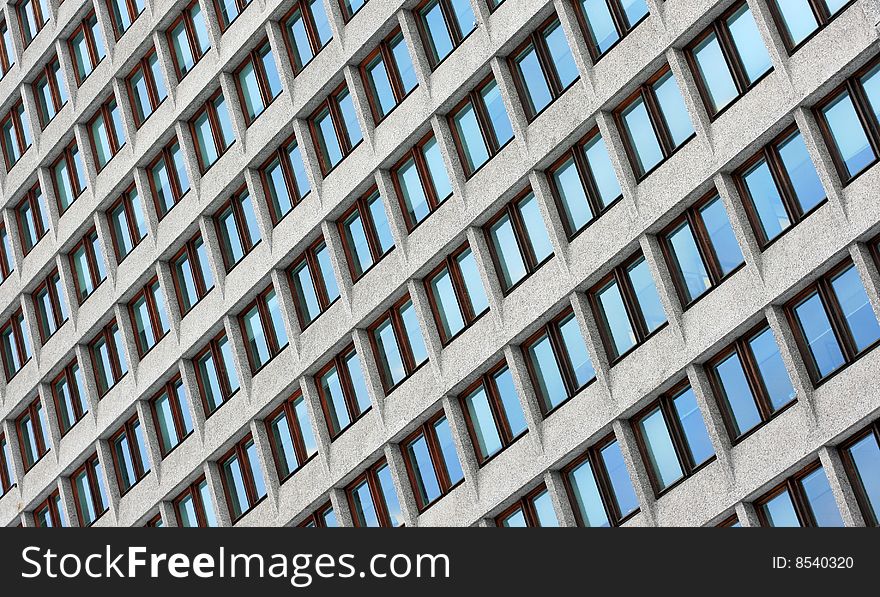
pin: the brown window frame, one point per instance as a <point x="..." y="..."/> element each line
<point x="91" y="45"/>
<point x="129" y="5"/>
<point x="105" y="113"/>
<point x="262" y="306"/>
<point x="450" y="263"/>
<point x="169" y="388"/>
<point x="68" y="375"/>
<point x="361" y="207"/>
<point x="6" y="61"/>
<point x="106" y="333"/>
<point x="16" y="324"/>
<point x="69" y="162"/>
<point x="347" y="14"/>
<point x="32" y="199"/>
<point x="7" y="263"/>
<point x="452" y="28"/>
<point x="192" y="490"/>
<point x="143" y="65"/>
<point x="385" y="54"/>
<point x="318" y="517"/>
<point x="87" y="242"/>
<point x="233" y="205"/>
<point x="331" y="105"/>
<point x="14" y="115"/>
<point x="871" y="516"/>
<point x="51" y="287"/>
<point x="213" y="346"/>
<point x="7" y="476"/>
<point x="51" y="504"/>
<point x="88" y="467"/>
<point x="220" y="145"/>
<point x="239" y="452"/>
<point x="32" y="410"/>
<point x="287" y="170"/>
<point x="618" y="16"/>
<point x="52" y="77"/>
<point x="404" y="346"/>
<point x="155" y="522"/>
<point x="799" y="501"/>
<point x="38" y="15"/>
<point x="417" y="155"/>
<point x="820" y="12"/>
<point x="147" y="292"/>
<point x="166" y="157"/>
<point x="438" y="461"/>
<point x="287" y="409"/>
<point x="526" y="505"/>
<point x="124" y="201"/>
<point x="190" y="250"/>
<point x="380" y="505"/>
<point x="255" y="57"/>
<point x="309" y="259"/>
<point x="474" y="97"/>
<point x="127" y="431"/>
<point x="311" y="29"/>
<point x="240" y="4"/>
<point x="189" y="27"/>
<point x="348" y="392"/>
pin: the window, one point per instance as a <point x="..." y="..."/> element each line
<point x="323" y="517"/>
<point x="123" y="13"/>
<point x="493" y="413"/>
<point x="228" y="10"/>
<point x="543" y="67"/>
<point x="237" y="228"/>
<point x="701" y="249"/>
<point x="128" y="226"/>
<point x="171" y="415"/>
<point x="672" y="437"/>
<point x="313" y="283"/>
<point x="654" y="122"/>
<point x="130" y="457"/>
<point x="456" y="294"/>
<point x="728" y="59"/>
<point x="535" y="509"/>
<point x="779" y="186"/>
<point x="68" y="391"/>
<point x="480" y="126"/>
<point x="191" y="273"/>
<point x="149" y="316"/>
<point x="155" y="522"/>
<point x="833" y="321"/>
<point x="803" y="500"/>
<point x="188" y="39"/>
<point x="583" y="183"/>
<point x="335" y="129"/>
<point x="16" y="134"/>
<point x="431" y="461"/>
<point x="599" y="486"/>
<point x="49" y="304"/>
<point x="366" y="235"/>
<point x="263" y="329"/>
<point x="398" y="343"/>
<point x="290" y="435"/>
<point x="850" y="121"/>
<point x="15" y="344"/>
<point x="88" y="491"/>
<point x="373" y="500"/>
<point x="87" y="47"/>
<point x="350" y="8"/>
<point x="146" y="88"/>
<point x="7" y="481"/>
<point x="33" y="218"/>
<point x="627" y="307"/>
<point x="343" y="391"/>
<point x="606" y="22"/>
<point x="751" y="382"/>
<point x="7" y="56"/>
<point x="861" y="455"/>
<point x="420" y="181"/>
<point x="50" y="91"/>
<point x="194" y="506"/>
<point x="216" y="374"/>
<point x="258" y="81"/>
<point x="389" y="75"/>
<point x="242" y="478"/>
<point x="32" y="16"/>
<point x="50" y="513"/>
<point x="558" y="363"/>
<point x="88" y="265"/>
<point x="6" y="264"/>
<point x="307" y="31"/>
<point x="168" y="179"/>
<point x="212" y="131"/>
<point x="108" y="358"/>
<point x="799" y="20"/>
<point x="444" y="24"/>
<point x="518" y="240"/>
<point x="33" y="434"/>
<point x="106" y="133"/>
<point x="730" y="523"/>
<point x="68" y="177"/>
<point x="285" y="180"/>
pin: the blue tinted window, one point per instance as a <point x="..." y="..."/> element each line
<point x="850" y="139"/>
<point x="822" y="342"/>
<point x="865" y="455"/>
<point x="856" y="308"/>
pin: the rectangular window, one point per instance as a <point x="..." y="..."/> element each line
<point x="728" y="59"/>
<point x="627" y="307"/>
<point x="672" y="437"/>
<point x="68" y="177"/>
<point x="212" y="130"/>
<point x="88" y="491"/>
<point x="87" y="47"/>
<point x="169" y="181"/>
<point x="108" y="357"/>
<point x="191" y="273"/>
<point x="444" y="25"/>
<point x="130" y="457"/>
<point x="237" y="228"/>
<point x="431" y="461"/>
<point x="7" y="265"/>
<point x="15" y="134"/>
<point x="49" y="304"/>
<point x="50" y="513"/>
<point x="480" y="126"/>
<point x="106" y="133"/>
<point x="750" y="381"/>
<point x="373" y="500"/>
<point x="350" y="8"/>
<point x="535" y="509"/>
<point x="850" y="122"/>
<point x="335" y="129"/>
<point x="398" y="343"/>
<point x="366" y="235"/>
<point x="171" y="415"/>
<point x="32" y="16"/>
<point x="313" y="283"/>
<point x="33" y="218"/>
<point x="7" y="55"/>
<point x="493" y="413"/>
<point x="543" y="67"/>
<point x="149" y="316"/>
<point x="284" y="180"/>
<point x="188" y="39"/>
<point x="802" y="500"/>
<point x="228" y="10"/>
<point x="216" y="374"/>
<point x="15" y="344"/>
<point x="194" y="506"/>
<point x="421" y="181"/>
<point x="155" y="522"/>
<point x="33" y="434"/>
<point x="701" y="249"/>
<point x="518" y="240"/>
<point x="128" y="226"/>
<point x="146" y="88"/>
<point x="833" y="321"/>
<point x="606" y="22"/>
<point x="290" y="435"/>
<point x="558" y="362"/>
<point x="343" y="391"/>
<point x="7" y="480"/>
<point x="800" y="20"/>
<point x="123" y="13"/>
<point x="258" y="81"/>
<point x="306" y="30"/>
<point x="323" y="517"/>
<point x="456" y="294"/>
<point x="68" y="391"/>
<point x="861" y="455"/>
<point x="654" y="123"/>
<point x="599" y="486"/>
<point x="50" y="92"/>
<point x="388" y="75"/>
<point x="242" y="478"/>
<point x="263" y="329"/>
<point x="87" y="264"/>
<point x="779" y="186"/>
